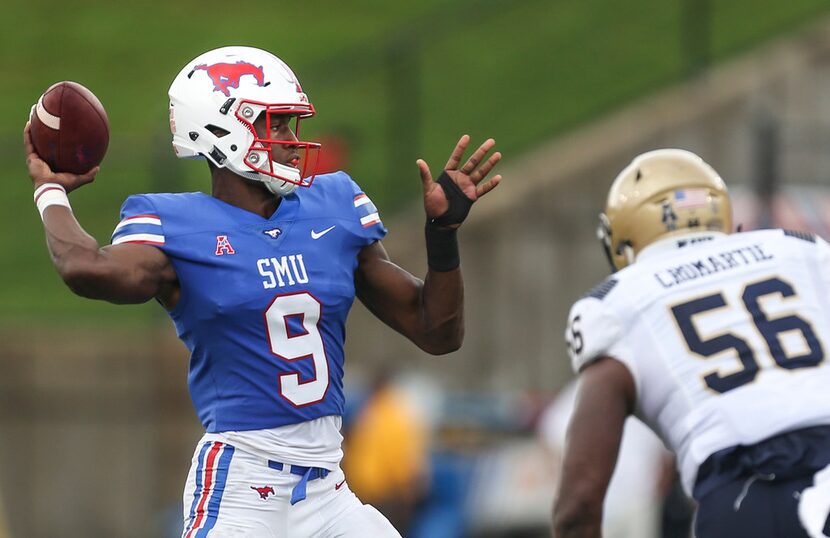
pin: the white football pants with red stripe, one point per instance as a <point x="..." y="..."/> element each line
<point x="233" y="494"/>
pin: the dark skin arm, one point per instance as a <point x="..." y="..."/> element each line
<point x="429" y="312"/>
<point x="128" y="273"/>
<point x="605" y="399"/>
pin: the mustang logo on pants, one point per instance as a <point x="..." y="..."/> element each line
<point x="263" y="492"/>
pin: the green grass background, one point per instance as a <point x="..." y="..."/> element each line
<point x="399" y="80"/>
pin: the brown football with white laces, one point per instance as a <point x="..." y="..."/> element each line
<point x="70" y="129"/>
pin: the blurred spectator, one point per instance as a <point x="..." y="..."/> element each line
<point x="642" y="475"/>
<point x="334" y="154"/>
<point x="386" y="453"/>
<point x="443" y="513"/>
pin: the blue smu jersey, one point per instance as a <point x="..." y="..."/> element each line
<point x="263" y="302"/>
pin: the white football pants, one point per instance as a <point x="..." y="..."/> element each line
<point x="234" y="494"/>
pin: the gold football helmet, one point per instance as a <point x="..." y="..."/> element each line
<point x="661" y="193"/>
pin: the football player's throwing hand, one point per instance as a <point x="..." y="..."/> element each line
<point x="40" y="172"/>
<point x="469" y="180"/>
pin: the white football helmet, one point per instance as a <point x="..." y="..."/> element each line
<point x="214" y="101"/>
<point x="661" y="193"/>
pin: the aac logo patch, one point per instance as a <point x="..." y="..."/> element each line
<point x="223" y="246"/>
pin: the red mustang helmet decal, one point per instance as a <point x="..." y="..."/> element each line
<point x="226" y="75"/>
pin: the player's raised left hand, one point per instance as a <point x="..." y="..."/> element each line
<point x="40" y="172"/>
<point x="469" y="181"/>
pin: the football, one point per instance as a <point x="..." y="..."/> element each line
<point x="69" y="128"/>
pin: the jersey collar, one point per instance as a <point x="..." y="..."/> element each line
<point x="677" y="242"/>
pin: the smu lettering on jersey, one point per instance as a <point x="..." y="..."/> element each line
<point x="725" y="336"/>
<point x="263" y="302"/>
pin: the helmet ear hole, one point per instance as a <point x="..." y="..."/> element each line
<point x="218" y="132"/>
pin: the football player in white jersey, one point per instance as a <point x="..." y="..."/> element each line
<point x="718" y="341"/>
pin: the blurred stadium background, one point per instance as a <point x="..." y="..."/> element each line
<point x="96" y="426"/>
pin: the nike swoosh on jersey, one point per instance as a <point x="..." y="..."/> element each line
<point x="318" y="235"/>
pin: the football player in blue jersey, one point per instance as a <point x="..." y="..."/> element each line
<point x="258" y="279"/>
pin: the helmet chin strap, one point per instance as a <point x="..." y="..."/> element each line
<point x="280" y="187"/>
<point x="628" y="252"/>
<point x="277" y="186"/>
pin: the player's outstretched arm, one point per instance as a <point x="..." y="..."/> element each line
<point x="431" y="312"/>
<point x="119" y="274"/>
<point x="605" y="398"/>
<point x="398" y="299"/>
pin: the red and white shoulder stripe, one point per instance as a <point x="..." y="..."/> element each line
<point x="369" y="215"/>
<point x="143" y="229"/>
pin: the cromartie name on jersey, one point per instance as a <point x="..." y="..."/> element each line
<point x="722" y="261"/>
<point x="283" y="271"/>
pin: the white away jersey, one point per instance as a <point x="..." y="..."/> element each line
<point x="726" y="337"/>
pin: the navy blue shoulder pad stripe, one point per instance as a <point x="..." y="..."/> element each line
<point x="806" y="236"/>
<point x="600" y="291"/>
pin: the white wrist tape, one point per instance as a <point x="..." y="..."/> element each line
<point x="50" y="194"/>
